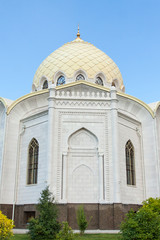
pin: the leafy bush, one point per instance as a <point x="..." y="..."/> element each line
<point x="153" y="204"/>
<point x="143" y="224"/>
<point x="6" y="226"/>
<point x="45" y="226"/>
<point x="81" y="220"/>
<point x="65" y="233"/>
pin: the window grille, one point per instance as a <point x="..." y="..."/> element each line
<point x="61" y="80"/>
<point x="33" y="151"/>
<point x="99" y="81"/>
<point x="130" y="163"/>
<point x="80" y="77"/>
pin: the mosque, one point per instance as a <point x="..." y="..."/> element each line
<point x="81" y="134"/>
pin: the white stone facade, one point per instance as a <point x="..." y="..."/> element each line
<point x="82" y="130"/>
<point x="82" y="153"/>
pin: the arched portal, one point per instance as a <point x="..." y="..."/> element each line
<point x="82" y="165"/>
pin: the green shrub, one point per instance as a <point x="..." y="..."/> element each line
<point x="6" y="226"/>
<point x="143" y="224"/>
<point x="153" y="204"/>
<point x="81" y="220"/>
<point x="45" y="226"/>
<point x="65" y="233"/>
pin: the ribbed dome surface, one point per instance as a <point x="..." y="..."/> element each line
<point x="74" y="56"/>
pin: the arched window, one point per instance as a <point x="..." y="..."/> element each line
<point x="61" y="80"/>
<point x="33" y="150"/>
<point x="99" y="81"/>
<point x="80" y="77"/>
<point x="45" y="84"/>
<point x="113" y="84"/>
<point x="130" y="163"/>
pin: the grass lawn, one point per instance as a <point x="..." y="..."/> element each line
<point x="85" y="237"/>
<point x="98" y="237"/>
<point x="20" y="237"/>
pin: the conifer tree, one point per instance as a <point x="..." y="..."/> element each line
<point x="82" y="220"/>
<point x="45" y="226"/>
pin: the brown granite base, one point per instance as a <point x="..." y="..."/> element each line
<point x="7" y="209"/>
<point x="104" y="216"/>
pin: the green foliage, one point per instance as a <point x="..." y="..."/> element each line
<point x="153" y="204"/>
<point x="81" y="220"/>
<point x="144" y="224"/>
<point x="6" y="226"/>
<point x="65" y="233"/>
<point x="45" y="226"/>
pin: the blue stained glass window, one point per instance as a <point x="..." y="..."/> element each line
<point x="61" y="80"/>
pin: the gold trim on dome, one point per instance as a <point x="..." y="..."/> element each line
<point x="82" y="82"/>
<point x="78" y="83"/>
<point x="25" y="97"/>
<point x="108" y="90"/>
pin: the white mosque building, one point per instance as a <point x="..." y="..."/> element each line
<point x="81" y="134"/>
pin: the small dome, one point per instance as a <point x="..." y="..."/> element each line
<point x="75" y="56"/>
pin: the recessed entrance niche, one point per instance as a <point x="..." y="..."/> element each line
<point x="82" y="175"/>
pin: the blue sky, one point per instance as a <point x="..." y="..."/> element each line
<point x="126" y="30"/>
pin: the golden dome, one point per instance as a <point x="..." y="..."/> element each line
<point x="74" y="56"/>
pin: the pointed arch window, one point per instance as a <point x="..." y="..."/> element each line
<point x="113" y="84"/>
<point x="33" y="151"/>
<point x="80" y="77"/>
<point x="99" y="81"/>
<point x="130" y="163"/>
<point x="45" y="84"/>
<point x="61" y="80"/>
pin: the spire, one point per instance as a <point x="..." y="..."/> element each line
<point x="78" y="34"/>
<point x="78" y="39"/>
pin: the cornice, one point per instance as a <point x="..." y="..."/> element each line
<point x="146" y="106"/>
<point x="82" y="82"/>
<point x="3" y="101"/>
<point x="157" y="105"/>
<point x="138" y="101"/>
<point x="25" y="97"/>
